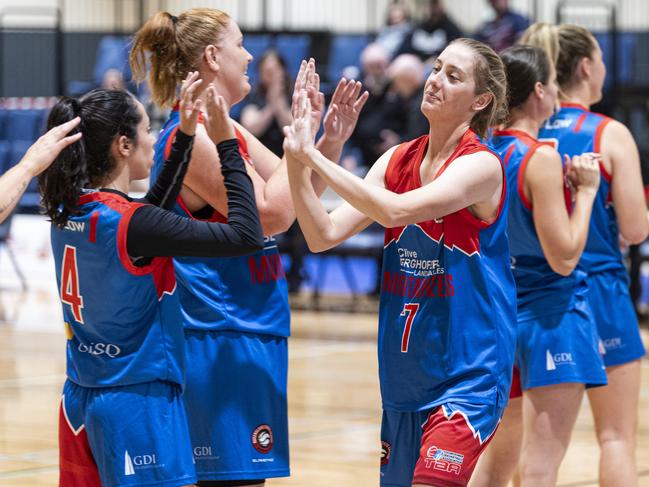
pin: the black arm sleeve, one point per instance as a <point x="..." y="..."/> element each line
<point x="170" y="180"/>
<point x="156" y="232"/>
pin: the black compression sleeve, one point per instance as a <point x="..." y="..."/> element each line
<point x="170" y="180"/>
<point x="155" y="232"/>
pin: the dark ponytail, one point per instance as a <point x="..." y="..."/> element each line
<point x="87" y="163"/>
<point x="525" y="66"/>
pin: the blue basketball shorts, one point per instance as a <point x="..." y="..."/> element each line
<point x="560" y="348"/>
<point x="235" y="397"/>
<point x="438" y="446"/>
<point x="123" y="436"/>
<point x="614" y="314"/>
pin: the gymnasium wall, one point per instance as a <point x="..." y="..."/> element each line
<point x="336" y="15"/>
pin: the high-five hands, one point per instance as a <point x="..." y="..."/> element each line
<point x="344" y="110"/>
<point x="298" y="139"/>
<point x="219" y="126"/>
<point x="188" y="107"/>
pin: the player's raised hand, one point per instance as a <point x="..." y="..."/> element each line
<point x="219" y="126"/>
<point x="43" y="152"/>
<point x="344" y="110"/>
<point x="189" y="108"/>
<point x="299" y="136"/>
<point x="307" y="79"/>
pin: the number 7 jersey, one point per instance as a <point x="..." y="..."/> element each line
<point x="447" y="313"/>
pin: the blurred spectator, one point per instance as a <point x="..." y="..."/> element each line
<point x="505" y="29"/>
<point x="406" y="75"/>
<point x="113" y="79"/>
<point x="268" y="107"/>
<point x="374" y="118"/>
<point x="432" y="35"/>
<point x="267" y="110"/>
<point x="397" y="27"/>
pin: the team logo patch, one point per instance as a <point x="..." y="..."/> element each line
<point x="444" y="460"/>
<point x="386" y="449"/>
<point x="262" y="438"/>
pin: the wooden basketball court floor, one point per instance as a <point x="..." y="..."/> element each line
<point x="334" y="404"/>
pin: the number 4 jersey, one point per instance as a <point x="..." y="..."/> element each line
<point x="448" y="301"/>
<point x="123" y="322"/>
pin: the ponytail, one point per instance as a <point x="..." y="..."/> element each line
<point x="173" y="47"/>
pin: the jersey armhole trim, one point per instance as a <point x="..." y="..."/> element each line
<point x="122" y="252"/>
<point x="521" y="175"/>
<point x="597" y="147"/>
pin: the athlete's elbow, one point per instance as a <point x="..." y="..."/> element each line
<point x="635" y="234"/>
<point x="563" y="267"/>
<point x="274" y="222"/>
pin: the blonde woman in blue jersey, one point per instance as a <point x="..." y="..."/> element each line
<point x="619" y="211"/>
<point x="447" y="306"/>
<point x="557" y="346"/>
<point x="235" y="310"/>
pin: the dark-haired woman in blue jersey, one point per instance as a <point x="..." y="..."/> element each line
<point x="619" y="211"/>
<point x="122" y="419"/>
<point x="557" y="348"/>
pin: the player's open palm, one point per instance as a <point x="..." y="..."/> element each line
<point x="298" y="136"/>
<point x="344" y="110"/>
<point x="218" y="125"/>
<point x="188" y="107"/>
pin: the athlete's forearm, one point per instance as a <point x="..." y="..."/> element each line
<point x="12" y="186"/>
<point x="377" y="203"/>
<point x="314" y="220"/>
<point x="332" y="151"/>
<point x="166" y="189"/>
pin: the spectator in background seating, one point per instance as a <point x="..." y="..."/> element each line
<point x="269" y="105"/>
<point x="432" y="35"/>
<point x="365" y="139"/>
<point x="397" y="26"/>
<point x="406" y="74"/>
<point x="267" y="111"/>
<point x="504" y="30"/>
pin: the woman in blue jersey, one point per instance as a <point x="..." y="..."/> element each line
<point x="619" y="211"/>
<point x="122" y="419"/>
<point x="447" y="304"/>
<point x="235" y="311"/>
<point x="557" y="351"/>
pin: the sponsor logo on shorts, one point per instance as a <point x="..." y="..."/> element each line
<point x="612" y="343"/>
<point x="386" y="449"/>
<point x="552" y="361"/>
<point x="204" y="453"/>
<point x="262" y="438"/>
<point x="97" y="349"/>
<point x="132" y="463"/>
<point x="444" y="460"/>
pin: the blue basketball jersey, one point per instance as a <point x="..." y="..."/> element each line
<point x="540" y="290"/>
<point x="447" y="313"/>
<point x="575" y="130"/>
<point x="247" y="293"/>
<point x="122" y="321"/>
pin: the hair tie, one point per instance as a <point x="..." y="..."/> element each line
<point x="75" y="106"/>
<point x="174" y="19"/>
